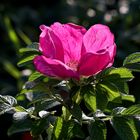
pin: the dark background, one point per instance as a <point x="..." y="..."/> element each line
<point x="19" y="26"/>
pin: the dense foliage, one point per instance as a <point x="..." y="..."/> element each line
<point x="19" y="27"/>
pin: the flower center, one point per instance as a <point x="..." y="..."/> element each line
<point x="73" y="64"/>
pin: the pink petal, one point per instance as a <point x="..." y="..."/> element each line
<point x="50" y="44"/>
<point x="98" y="39"/>
<point x="71" y="36"/>
<point x="112" y="52"/>
<point x="91" y="64"/>
<point x="53" y="67"/>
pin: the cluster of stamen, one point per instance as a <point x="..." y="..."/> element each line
<point x="73" y="64"/>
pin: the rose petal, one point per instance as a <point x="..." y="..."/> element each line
<point x="112" y="53"/>
<point x="53" y="67"/>
<point x="98" y="39"/>
<point x="50" y="44"/>
<point x="71" y="36"/>
<point x="91" y="64"/>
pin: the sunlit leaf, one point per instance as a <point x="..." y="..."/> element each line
<point x="111" y="91"/>
<point x="132" y="110"/>
<point x="126" y="97"/>
<point x="34" y="76"/>
<point x="120" y="74"/>
<point x="58" y="128"/>
<point x="26" y="60"/>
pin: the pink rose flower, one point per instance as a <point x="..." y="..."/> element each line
<point x="71" y="51"/>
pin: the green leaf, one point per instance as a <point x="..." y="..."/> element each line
<point x="132" y="110"/>
<point x="12" y="35"/>
<point x="20" y="109"/>
<point x="66" y="113"/>
<point x="7" y="103"/>
<point x="133" y="67"/>
<point x="132" y="58"/>
<point x="58" y="128"/>
<point x="130" y="98"/>
<point x="30" y="48"/>
<point x="117" y="111"/>
<point x="73" y="130"/>
<point x="125" y="128"/>
<point x="90" y="101"/>
<point x="11" y="69"/>
<point x="89" y="97"/>
<point x="35" y="76"/>
<point x="97" y="130"/>
<point x="26" y="60"/>
<point x="69" y="129"/>
<point x="20" y="126"/>
<point x="118" y="74"/>
<point x="132" y="62"/>
<point x="46" y="104"/>
<point x="76" y="111"/>
<point x="122" y="86"/>
<point x="50" y="132"/>
<point x="101" y="98"/>
<point x="39" y="126"/>
<point x="111" y="91"/>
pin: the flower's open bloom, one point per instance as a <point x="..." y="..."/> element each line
<point x="71" y="51"/>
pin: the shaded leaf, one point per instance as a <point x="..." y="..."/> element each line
<point x="132" y="62"/>
<point x="97" y="130"/>
<point x="133" y="67"/>
<point x="76" y="111"/>
<point x="125" y="128"/>
<point x="74" y="130"/>
<point x="132" y="58"/>
<point x="101" y="98"/>
<point x="20" y="126"/>
<point x="46" y="104"/>
<point x="30" y="48"/>
<point x="122" y="86"/>
<point x="39" y="126"/>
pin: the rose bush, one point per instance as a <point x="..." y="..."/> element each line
<point x="71" y="51"/>
<point x="64" y="109"/>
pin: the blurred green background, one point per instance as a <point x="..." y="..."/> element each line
<point x="19" y="26"/>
